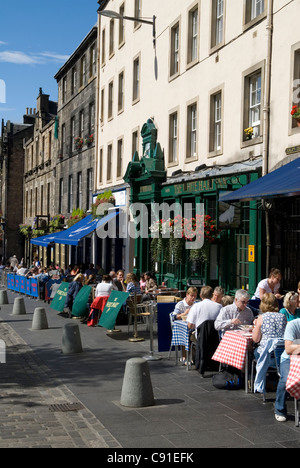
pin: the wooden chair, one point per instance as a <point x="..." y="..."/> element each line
<point x="142" y="309"/>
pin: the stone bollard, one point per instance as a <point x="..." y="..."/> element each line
<point x="3" y="297"/>
<point x="71" y="341"/>
<point x="39" y="321"/>
<point x="19" y="306"/>
<point x="137" y="387"/>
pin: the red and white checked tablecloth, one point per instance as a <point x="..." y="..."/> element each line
<point x="293" y="380"/>
<point x="233" y="348"/>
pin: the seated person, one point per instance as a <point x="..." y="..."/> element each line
<point x="291" y="308"/>
<point x="91" y="270"/>
<point x="118" y="282"/>
<point x="183" y="307"/>
<point x="236" y="314"/>
<point x="292" y="346"/>
<point x="204" y="310"/>
<point x="218" y="294"/>
<point x="105" y="287"/>
<point x="151" y="282"/>
<point x="133" y="285"/>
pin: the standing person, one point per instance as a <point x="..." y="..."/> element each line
<point x="236" y="314"/>
<point x="290" y="306"/>
<point x="292" y="346"/>
<point x="269" y="285"/>
<point x="74" y="289"/>
<point x="13" y="261"/>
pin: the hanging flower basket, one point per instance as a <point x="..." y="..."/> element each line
<point x="77" y="215"/>
<point x="102" y="199"/>
<point x="56" y="223"/>
<point x="25" y="229"/>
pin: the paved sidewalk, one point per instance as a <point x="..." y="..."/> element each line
<point x="189" y="413"/>
<point x="37" y="410"/>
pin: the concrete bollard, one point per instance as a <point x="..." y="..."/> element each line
<point x="39" y="321"/>
<point x="19" y="306"/>
<point x="137" y="388"/>
<point x="3" y="297"/>
<point x="71" y="341"/>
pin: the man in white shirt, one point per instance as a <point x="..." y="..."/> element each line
<point x="204" y="310"/>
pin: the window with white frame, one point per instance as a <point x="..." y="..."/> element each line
<point x="103" y="47"/>
<point x="91" y="119"/>
<point x="70" y="194"/>
<point x="83" y="77"/>
<point x="137" y="12"/>
<point x="110" y="99"/>
<point x="119" y="157"/>
<point x="215" y="142"/>
<point x="121" y="92"/>
<point x="111" y="37"/>
<point x="136" y="80"/>
<point x="109" y="163"/>
<point x="81" y="123"/>
<point x="173" y="138"/>
<point x="73" y="80"/>
<point x="79" y="190"/>
<point x="73" y="134"/>
<point x="217" y="27"/>
<point x="93" y="61"/>
<point x="193" y="35"/>
<point x="296" y="82"/>
<point x="192" y="131"/>
<point x="174" y="50"/>
<point x="100" y="175"/>
<point x="61" y="195"/>
<point x="255" y="103"/>
<point x="134" y="142"/>
<point x="121" y="25"/>
<point x="89" y="189"/>
<point x="254" y="10"/>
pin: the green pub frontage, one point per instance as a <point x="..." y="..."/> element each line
<point x="231" y="255"/>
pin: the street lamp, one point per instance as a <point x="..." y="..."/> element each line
<point x="115" y="15"/>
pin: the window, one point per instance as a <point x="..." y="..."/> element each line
<point x="192" y="131"/>
<point x="48" y="197"/>
<point x="119" y="157"/>
<point x="136" y="80"/>
<point x="252" y="103"/>
<point x="61" y="195"/>
<point x="101" y="166"/>
<point x="64" y="90"/>
<point x="49" y="145"/>
<point x="70" y="194"/>
<point x="63" y="138"/>
<point x="103" y="48"/>
<point x="217" y="29"/>
<point x="73" y="134"/>
<point x="73" y="80"/>
<point x="121" y="26"/>
<point x="89" y="195"/>
<point x="137" y="12"/>
<point x="296" y="81"/>
<point x="83" y="78"/>
<point x="121" y="92"/>
<point x="110" y="99"/>
<point x="93" y="64"/>
<point x="91" y="119"/>
<point x="255" y="9"/>
<point x="109" y="163"/>
<point x="102" y="107"/>
<point x="79" y="190"/>
<point x="135" y="142"/>
<point x="173" y="138"/>
<point x="111" y="37"/>
<point x="81" y="123"/>
<point x="174" y="59"/>
<point x="193" y="36"/>
<point x="255" y="103"/>
<point x="215" y="142"/>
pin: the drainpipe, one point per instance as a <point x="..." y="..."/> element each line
<point x="266" y="122"/>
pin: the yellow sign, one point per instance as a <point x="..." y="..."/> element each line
<point x="251" y="253"/>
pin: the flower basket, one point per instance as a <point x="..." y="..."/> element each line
<point x="25" y="229"/>
<point x="248" y="133"/>
<point x="295" y="113"/>
<point x="38" y="232"/>
<point x="77" y="215"/>
<point x="89" y="139"/>
<point x="98" y="208"/>
<point x="56" y="223"/>
<point x="78" y="142"/>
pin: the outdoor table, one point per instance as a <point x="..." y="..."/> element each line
<point x="180" y="336"/>
<point x="233" y="350"/>
<point x="293" y="383"/>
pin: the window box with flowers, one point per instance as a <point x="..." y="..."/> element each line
<point x="56" y="223"/>
<point x="248" y="133"/>
<point x="295" y="113"/>
<point x="25" y="230"/>
<point x="78" y="142"/>
<point x="38" y="232"/>
<point x="101" y="201"/>
<point x="77" y="215"/>
<point x="171" y="236"/>
<point x="89" y="139"/>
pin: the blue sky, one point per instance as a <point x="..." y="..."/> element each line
<point x="36" y="38"/>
